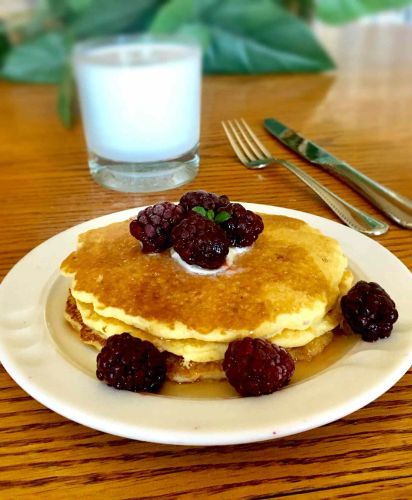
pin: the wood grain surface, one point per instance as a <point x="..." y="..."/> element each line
<point x="362" y="113"/>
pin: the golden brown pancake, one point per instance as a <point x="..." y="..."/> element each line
<point x="204" y="351"/>
<point x="289" y="279"/>
<point x="177" y="369"/>
<point x="285" y="288"/>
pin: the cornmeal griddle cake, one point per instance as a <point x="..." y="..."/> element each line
<point x="285" y="288"/>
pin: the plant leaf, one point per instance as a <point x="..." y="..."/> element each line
<point x="172" y="16"/>
<point x="210" y="215"/>
<point x="343" y="11"/>
<point x="4" y="43"/>
<point x="198" y="32"/>
<point x="107" y="17"/>
<point x="41" y="60"/>
<point x="57" y="8"/>
<point x="264" y="38"/>
<point x="302" y="8"/>
<point x="78" y="5"/>
<point x="177" y="17"/>
<point x="222" y="217"/>
<point x="66" y="97"/>
<point x="200" y="211"/>
<point x="245" y="36"/>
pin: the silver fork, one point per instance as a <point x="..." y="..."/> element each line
<point x="253" y="154"/>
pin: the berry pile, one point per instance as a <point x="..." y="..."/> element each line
<point x="200" y="228"/>
<point x="131" y="364"/>
<point x="255" y="366"/>
<point x="369" y="311"/>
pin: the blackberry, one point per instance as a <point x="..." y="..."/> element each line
<point x="209" y="201"/>
<point x="369" y="311"/>
<point x="255" y="366"/>
<point x="153" y="226"/>
<point x="131" y="364"/>
<point x="200" y="241"/>
<point x="243" y="227"/>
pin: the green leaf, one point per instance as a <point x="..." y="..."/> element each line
<point x="263" y="38"/>
<point x="200" y="211"/>
<point x="58" y="8"/>
<point x="4" y="43"/>
<point x="172" y="16"/>
<point x="197" y="32"/>
<point x="222" y="217"/>
<point x="78" y="5"/>
<point x="107" y="17"/>
<point x="210" y="215"/>
<point x="66" y="98"/>
<point x="343" y="11"/>
<point x="40" y="60"/>
<point x="245" y="36"/>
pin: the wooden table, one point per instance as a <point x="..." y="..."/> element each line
<point x="363" y="112"/>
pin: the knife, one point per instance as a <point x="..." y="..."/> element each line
<point x="396" y="206"/>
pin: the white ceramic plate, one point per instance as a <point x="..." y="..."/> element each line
<point x="43" y="356"/>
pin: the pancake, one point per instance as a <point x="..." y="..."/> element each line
<point x="287" y="281"/>
<point x="203" y="351"/>
<point x="285" y="288"/>
<point x="178" y="369"/>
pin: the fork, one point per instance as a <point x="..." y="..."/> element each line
<point x="254" y="155"/>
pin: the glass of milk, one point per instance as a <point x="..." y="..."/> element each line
<point x="140" y="102"/>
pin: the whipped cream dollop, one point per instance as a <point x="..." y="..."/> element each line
<point x="234" y="252"/>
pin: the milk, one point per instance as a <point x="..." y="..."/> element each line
<point x="140" y="100"/>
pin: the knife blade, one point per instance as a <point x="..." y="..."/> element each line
<point x="396" y="206"/>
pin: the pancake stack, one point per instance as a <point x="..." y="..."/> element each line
<point x="285" y="288"/>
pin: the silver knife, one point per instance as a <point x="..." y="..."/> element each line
<point x="394" y="205"/>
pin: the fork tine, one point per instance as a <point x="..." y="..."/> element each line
<point x="257" y="141"/>
<point x="242" y="144"/>
<point x="238" y="144"/>
<point x="233" y="143"/>
<point x="251" y="141"/>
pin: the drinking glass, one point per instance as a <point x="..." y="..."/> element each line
<point x="140" y="103"/>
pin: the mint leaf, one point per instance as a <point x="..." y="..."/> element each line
<point x="200" y="211"/>
<point x="222" y="217"/>
<point x="210" y="215"/>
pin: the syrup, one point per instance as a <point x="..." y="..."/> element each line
<point x="339" y="346"/>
